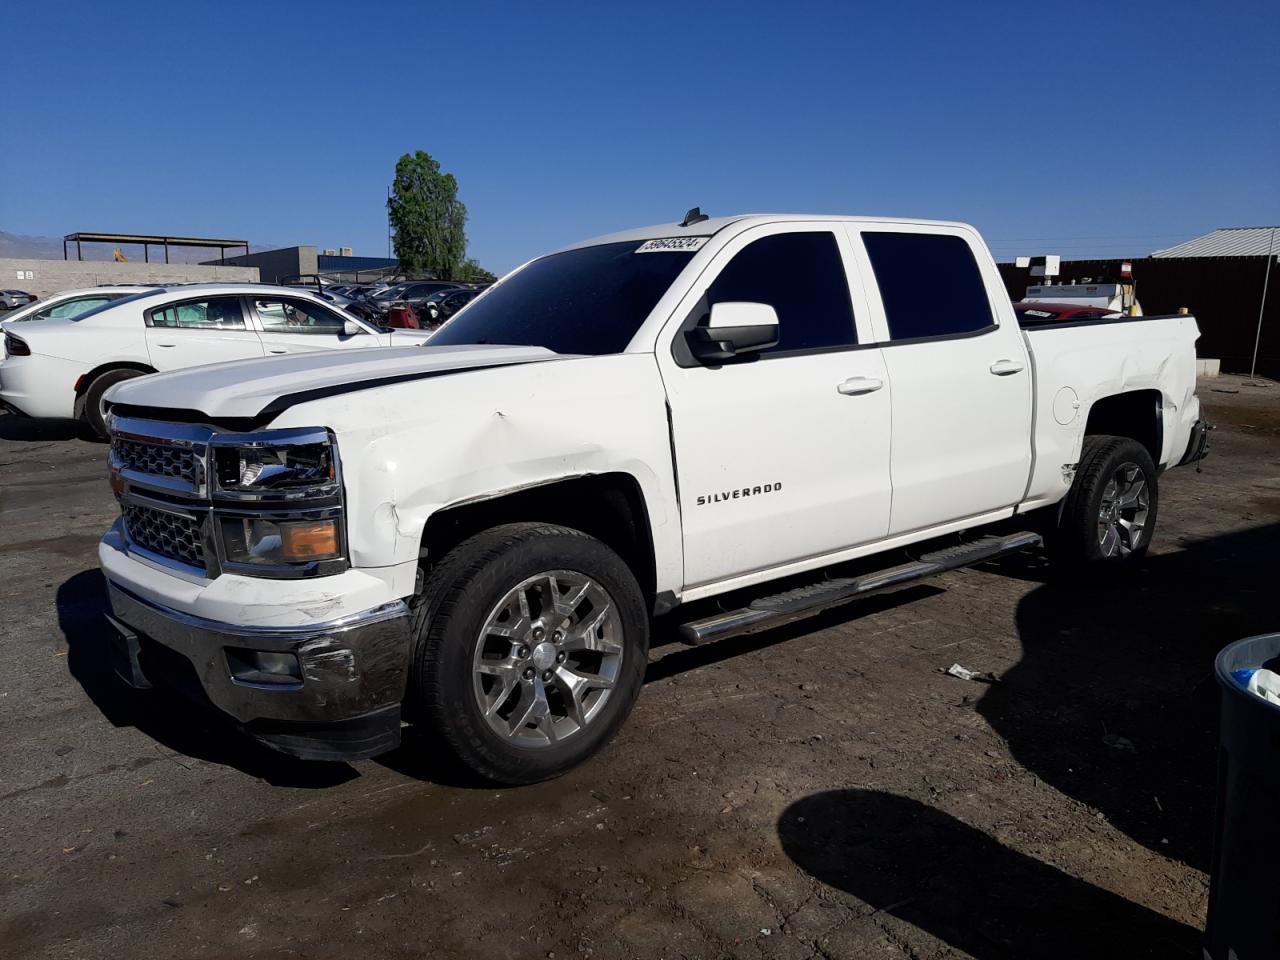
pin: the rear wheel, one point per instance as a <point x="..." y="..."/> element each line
<point x="1109" y="515"/>
<point x="93" y="415"/>
<point x="531" y="645"/>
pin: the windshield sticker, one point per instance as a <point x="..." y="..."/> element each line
<point x="672" y="244"/>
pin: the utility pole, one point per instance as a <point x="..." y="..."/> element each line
<point x="1266" y="279"/>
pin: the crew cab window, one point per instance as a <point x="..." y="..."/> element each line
<point x="297" y="316"/>
<point x="802" y="277"/>
<point x="929" y="284"/>
<point x="216" y="313"/>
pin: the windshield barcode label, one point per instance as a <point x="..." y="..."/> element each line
<point x="669" y="244"/>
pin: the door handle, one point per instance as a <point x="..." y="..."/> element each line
<point x="166" y="344"/>
<point x="857" y="386"/>
<point x="1003" y="368"/>
<point x="277" y="350"/>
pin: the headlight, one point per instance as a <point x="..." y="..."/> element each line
<point x="260" y="541"/>
<point x="275" y="468"/>
<point x="285" y="463"/>
<point x="277" y="502"/>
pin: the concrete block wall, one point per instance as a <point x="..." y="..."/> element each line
<point x="52" y="276"/>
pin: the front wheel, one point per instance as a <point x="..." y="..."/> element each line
<point x="1109" y="515"/>
<point x="531" y="645"/>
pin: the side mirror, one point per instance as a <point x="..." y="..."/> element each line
<point x="350" y="328"/>
<point x="735" y="328"/>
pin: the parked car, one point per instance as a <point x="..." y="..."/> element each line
<point x="63" y="367"/>
<point x="442" y="305"/>
<point x="724" y="410"/>
<point x="364" y="291"/>
<point x="1031" y="314"/>
<point x="424" y="288"/>
<point x="12" y="299"/>
<point x="402" y="316"/>
<point x="410" y="292"/>
<point x="366" y="311"/>
<point x="71" y="303"/>
<point x="387" y="294"/>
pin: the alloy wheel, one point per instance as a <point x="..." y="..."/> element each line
<point x="547" y="658"/>
<point x="1122" y="515"/>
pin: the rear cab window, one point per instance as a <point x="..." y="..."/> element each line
<point x="930" y="285"/>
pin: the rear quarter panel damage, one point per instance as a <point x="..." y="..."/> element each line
<point x="1104" y="360"/>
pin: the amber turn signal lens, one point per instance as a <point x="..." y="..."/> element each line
<point x="309" y="541"/>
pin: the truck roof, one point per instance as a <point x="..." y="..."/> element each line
<point x="713" y="225"/>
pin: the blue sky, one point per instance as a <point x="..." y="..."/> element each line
<point x="1080" y="129"/>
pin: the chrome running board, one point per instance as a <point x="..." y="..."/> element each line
<point x="805" y="601"/>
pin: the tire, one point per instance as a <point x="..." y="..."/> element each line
<point x="1109" y="515"/>
<point x="92" y="412"/>
<point x="472" y="687"/>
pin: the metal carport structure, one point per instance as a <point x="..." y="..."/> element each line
<point x="147" y="241"/>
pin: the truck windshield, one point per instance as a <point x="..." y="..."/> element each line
<point x="586" y="301"/>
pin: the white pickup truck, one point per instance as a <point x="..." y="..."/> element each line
<point x="475" y="535"/>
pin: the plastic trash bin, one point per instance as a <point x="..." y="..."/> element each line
<point x="1244" y="879"/>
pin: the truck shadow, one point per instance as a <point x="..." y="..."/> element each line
<point x="907" y="860"/>
<point x="174" y="723"/>
<point x="1114" y="701"/>
<point x="26" y="429"/>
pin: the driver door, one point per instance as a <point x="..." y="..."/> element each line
<point x="781" y="455"/>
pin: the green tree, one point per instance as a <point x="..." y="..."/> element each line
<point x="471" y="272"/>
<point x="428" y="218"/>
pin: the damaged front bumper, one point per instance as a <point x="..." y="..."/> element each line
<point x="325" y="691"/>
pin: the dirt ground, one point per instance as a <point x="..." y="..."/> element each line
<point x="823" y="790"/>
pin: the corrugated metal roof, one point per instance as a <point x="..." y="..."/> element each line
<point x="1227" y="242"/>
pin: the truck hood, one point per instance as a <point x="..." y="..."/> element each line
<point x="261" y="388"/>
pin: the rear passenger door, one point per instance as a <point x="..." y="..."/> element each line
<point x="958" y="369"/>
<point x="783" y="455"/>
<point x="295" y="325"/>
<point x="201" y="330"/>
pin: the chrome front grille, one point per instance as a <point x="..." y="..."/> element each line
<point x="157" y="459"/>
<point x="175" y="513"/>
<point x="171" y="535"/>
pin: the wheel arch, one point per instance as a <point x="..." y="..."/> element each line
<point x="608" y="506"/>
<point x="86" y="380"/>
<point x="1136" y="414"/>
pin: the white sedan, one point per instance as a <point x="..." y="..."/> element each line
<point x="62" y="367"/>
<point x="72" y="303"/>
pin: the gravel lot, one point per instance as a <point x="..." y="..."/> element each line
<point x="821" y="790"/>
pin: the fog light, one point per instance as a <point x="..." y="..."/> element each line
<point x="264" y="667"/>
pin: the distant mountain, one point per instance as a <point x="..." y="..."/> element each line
<point x="42" y="248"/>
